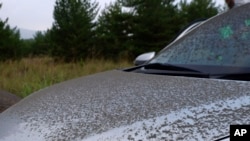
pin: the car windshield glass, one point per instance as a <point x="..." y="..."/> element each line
<point x="221" y="41"/>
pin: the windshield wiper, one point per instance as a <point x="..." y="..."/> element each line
<point x="159" y="66"/>
<point x="168" y="69"/>
<point x="216" y="72"/>
<point x="245" y="76"/>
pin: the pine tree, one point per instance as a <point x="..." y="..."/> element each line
<point x="155" y="23"/>
<point x="197" y="9"/>
<point x="114" y="32"/>
<point x="73" y="28"/>
<point x="42" y="43"/>
<point x="10" y="43"/>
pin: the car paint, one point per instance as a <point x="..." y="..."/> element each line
<point x="117" y="105"/>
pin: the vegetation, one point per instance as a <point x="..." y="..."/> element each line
<point x="114" y="33"/>
<point x="153" y="28"/>
<point x="123" y="30"/>
<point x="41" y="45"/>
<point x="10" y="43"/>
<point x="31" y="74"/>
<point x="200" y="9"/>
<point x="72" y="31"/>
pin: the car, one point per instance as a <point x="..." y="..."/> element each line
<point x="143" y="58"/>
<point x="193" y="89"/>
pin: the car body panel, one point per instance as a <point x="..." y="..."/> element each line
<point x="88" y="106"/>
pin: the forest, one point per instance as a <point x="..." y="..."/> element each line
<point x="122" y="30"/>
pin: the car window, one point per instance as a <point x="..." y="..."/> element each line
<point x="221" y="41"/>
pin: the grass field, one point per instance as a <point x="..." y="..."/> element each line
<point x="31" y="74"/>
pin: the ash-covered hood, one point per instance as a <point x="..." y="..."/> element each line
<point x="117" y="105"/>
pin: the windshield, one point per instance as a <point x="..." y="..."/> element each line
<point x="221" y="41"/>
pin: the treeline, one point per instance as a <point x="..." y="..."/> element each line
<point x="123" y="29"/>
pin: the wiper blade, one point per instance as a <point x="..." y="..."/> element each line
<point x="170" y="67"/>
<point x="245" y="76"/>
<point x="159" y="66"/>
<point x="215" y="72"/>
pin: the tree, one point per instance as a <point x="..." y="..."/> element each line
<point x="114" y="32"/>
<point x="27" y="47"/>
<point x="155" y="23"/>
<point x="10" y="43"/>
<point x="42" y="43"/>
<point x="197" y="9"/>
<point x="73" y="29"/>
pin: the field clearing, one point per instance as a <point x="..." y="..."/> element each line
<point x="27" y="75"/>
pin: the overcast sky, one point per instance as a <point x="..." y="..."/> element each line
<point x="35" y="14"/>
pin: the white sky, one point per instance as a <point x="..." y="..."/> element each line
<point x="35" y="14"/>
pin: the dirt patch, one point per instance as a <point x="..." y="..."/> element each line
<point x="7" y="99"/>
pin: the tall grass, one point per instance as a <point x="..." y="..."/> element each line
<point x="31" y="74"/>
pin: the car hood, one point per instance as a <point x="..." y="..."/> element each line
<point x="117" y="105"/>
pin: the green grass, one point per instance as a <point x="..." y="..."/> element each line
<point x="31" y="74"/>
